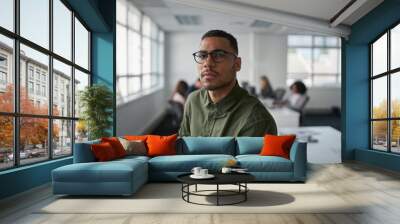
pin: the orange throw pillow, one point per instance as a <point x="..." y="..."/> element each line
<point x="161" y="145"/>
<point x="116" y="145"/>
<point x="136" y="137"/>
<point x="103" y="152"/>
<point x="277" y="145"/>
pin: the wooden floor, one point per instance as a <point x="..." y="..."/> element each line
<point x="354" y="182"/>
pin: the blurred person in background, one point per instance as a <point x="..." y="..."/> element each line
<point x="266" y="90"/>
<point x="180" y="93"/>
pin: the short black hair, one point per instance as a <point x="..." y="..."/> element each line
<point x="220" y="33"/>
<point x="301" y="87"/>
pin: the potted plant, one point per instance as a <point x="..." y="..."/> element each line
<point x="96" y="102"/>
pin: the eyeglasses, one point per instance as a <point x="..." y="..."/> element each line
<point x="216" y="55"/>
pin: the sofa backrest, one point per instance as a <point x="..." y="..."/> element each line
<point x="249" y="145"/>
<point x="206" y="145"/>
<point x="83" y="152"/>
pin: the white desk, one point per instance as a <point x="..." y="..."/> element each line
<point x="327" y="149"/>
<point x="285" y="117"/>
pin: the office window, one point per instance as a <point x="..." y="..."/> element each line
<point x="6" y="73"/>
<point x="81" y="45"/>
<point x="3" y="72"/>
<point x="30" y="87"/>
<point x="45" y="131"/>
<point x="81" y="81"/>
<point x="62" y="29"/>
<point x="385" y="94"/>
<point x="34" y="23"/>
<point x="3" y="78"/>
<point x="44" y="91"/>
<point x="316" y="60"/>
<point x="3" y="61"/>
<point x="62" y="73"/>
<point x="40" y="62"/>
<point x="37" y="74"/>
<point x="7" y="14"/>
<point x="37" y="91"/>
<point x="6" y="142"/>
<point x="62" y="139"/>
<point x="140" y="44"/>
<point x="30" y="73"/>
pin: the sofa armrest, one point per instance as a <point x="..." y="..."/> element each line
<point x="298" y="155"/>
<point x="83" y="152"/>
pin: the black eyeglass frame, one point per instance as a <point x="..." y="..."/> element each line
<point x="211" y="54"/>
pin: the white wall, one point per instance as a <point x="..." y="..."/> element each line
<point x="179" y="63"/>
<point x="262" y="54"/>
<point x="137" y="116"/>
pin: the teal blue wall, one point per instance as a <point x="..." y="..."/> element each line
<point x="103" y="64"/>
<point x="355" y="86"/>
<point x="99" y="16"/>
<point x="24" y="178"/>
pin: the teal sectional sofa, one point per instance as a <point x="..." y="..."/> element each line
<point x="125" y="176"/>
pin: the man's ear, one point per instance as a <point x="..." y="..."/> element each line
<point x="237" y="64"/>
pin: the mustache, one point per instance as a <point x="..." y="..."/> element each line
<point x="203" y="73"/>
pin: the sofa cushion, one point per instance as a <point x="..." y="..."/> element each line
<point x="136" y="137"/>
<point x="161" y="145"/>
<point x="112" y="171"/>
<point x="134" y="147"/>
<point x="257" y="163"/>
<point x="103" y="151"/>
<point x="185" y="163"/>
<point x="116" y="145"/>
<point x="277" y="145"/>
<point x="206" y="145"/>
<point x="249" y="145"/>
<point x="131" y="159"/>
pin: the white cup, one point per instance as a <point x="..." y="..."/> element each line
<point x="203" y="172"/>
<point x="226" y="170"/>
<point x="196" y="170"/>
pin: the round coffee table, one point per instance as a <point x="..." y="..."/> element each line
<point x="238" y="179"/>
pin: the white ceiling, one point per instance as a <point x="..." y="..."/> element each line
<point x="286" y="16"/>
<point x="321" y="9"/>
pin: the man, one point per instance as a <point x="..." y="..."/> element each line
<point x="221" y="107"/>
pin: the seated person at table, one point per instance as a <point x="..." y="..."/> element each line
<point x="297" y="97"/>
<point x="222" y="107"/>
<point x="179" y="94"/>
<point x="266" y="90"/>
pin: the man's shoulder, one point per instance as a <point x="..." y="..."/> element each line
<point x="251" y="100"/>
<point x="255" y="107"/>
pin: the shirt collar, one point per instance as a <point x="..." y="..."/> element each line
<point x="228" y="101"/>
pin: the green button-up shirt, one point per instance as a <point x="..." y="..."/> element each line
<point x="237" y="114"/>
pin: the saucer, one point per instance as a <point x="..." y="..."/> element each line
<point x="208" y="176"/>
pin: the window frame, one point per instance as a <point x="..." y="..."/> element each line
<point x="16" y="115"/>
<point x="388" y="74"/>
<point x="154" y="72"/>
<point x="313" y="74"/>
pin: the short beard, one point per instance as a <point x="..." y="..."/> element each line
<point x="221" y="86"/>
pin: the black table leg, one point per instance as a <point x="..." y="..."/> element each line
<point x="217" y="194"/>
<point x="245" y="193"/>
<point x="188" y="189"/>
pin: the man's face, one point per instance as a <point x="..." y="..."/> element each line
<point x="217" y="75"/>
